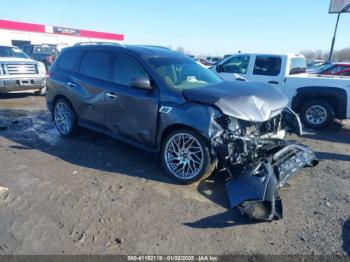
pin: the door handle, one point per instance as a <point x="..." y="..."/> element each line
<point x="273" y="82"/>
<point x="71" y="84"/>
<point x="112" y="95"/>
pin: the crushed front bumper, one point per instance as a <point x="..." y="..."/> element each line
<point x="254" y="188"/>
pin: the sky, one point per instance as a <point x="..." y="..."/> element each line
<point x="204" y="27"/>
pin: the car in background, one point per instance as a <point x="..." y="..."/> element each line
<point x="329" y="69"/>
<point x="214" y="59"/>
<point x="345" y="72"/>
<point x="312" y="64"/>
<point x="19" y="73"/>
<point x="317" y="98"/>
<point x="45" y="53"/>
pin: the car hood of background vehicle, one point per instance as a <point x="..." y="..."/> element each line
<point x="16" y="59"/>
<point x="248" y="101"/>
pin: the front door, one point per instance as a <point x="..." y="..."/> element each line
<point x="131" y="113"/>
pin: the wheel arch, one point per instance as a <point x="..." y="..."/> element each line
<point x="335" y="96"/>
<point x="60" y="96"/>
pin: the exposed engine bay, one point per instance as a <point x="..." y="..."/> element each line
<point x="259" y="161"/>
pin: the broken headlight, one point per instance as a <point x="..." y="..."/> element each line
<point x="232" y="124"/>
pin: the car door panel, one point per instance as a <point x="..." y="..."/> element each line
<point x="131" y="112"/>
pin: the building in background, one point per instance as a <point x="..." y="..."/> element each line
<point x="19" y="33"/>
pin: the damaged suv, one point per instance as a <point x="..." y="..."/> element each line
<point x="164" y="102"/>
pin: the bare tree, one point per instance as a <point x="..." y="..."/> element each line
<point x="338" y="56"/>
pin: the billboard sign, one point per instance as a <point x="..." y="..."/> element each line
<point x="65" y="30"/>
<point x="338" y="6"/>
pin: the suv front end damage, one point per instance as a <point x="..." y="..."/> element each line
<point x="260" y="162"/>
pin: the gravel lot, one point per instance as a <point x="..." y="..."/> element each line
<point x="93" y="195"/>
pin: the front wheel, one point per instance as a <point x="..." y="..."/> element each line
<point x="316" y="114"/>
<point x="186" y="156"/>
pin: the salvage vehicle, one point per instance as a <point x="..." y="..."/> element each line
<point x="19" y="73"/>
<point x="164" y="102"/>
<point x="45" y="53"/>
<point x="318" y="99"/>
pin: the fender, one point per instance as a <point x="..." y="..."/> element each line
<point x="193" y="115"/>
<point x="305" y="93"/>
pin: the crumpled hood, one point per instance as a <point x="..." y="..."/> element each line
<point x="250" y="101"/>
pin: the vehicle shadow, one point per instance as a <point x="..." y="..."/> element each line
<point x="335" y="132"/>
<point x="346" y="236"/>
<point x="214" y="189"/>
<point x="332" y="156"/>
<point x="36" y="131"/>
<point x="229" y="218"/>
<point x="16" y="95"/>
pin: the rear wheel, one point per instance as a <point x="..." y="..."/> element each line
<point x="64" y="117"/>
<point x="316" y="114"/>
<point x="186" y="156"/>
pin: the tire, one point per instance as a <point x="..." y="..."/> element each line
<point x="190" y="163"/>
<point x="316" y="114"/>
<point x="64" y="118"/>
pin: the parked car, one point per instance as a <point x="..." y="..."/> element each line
<point x="345" y="72"/>
<point x="330" y="68"/>
<point x="312" y="64"/>
<point x="44" y="53"/>
<point x="214" y="59"/>
<point x="317" y="99"/>
<point x="164" y="102"/>
<point x="18" y="72"/>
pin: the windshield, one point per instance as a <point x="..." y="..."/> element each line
<point x="11" y="52"/>
<point x="46" y="50"/>
<point x="183" y="73"/>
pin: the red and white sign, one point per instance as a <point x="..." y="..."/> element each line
<point x="339" y="6"/>
<point x="37" y="28"/>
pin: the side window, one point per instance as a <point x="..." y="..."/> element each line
<point x="69" y="60"/>
<point x="237" y="64"/>
<point x="95" y="64"/>
<point x="267" y="66"/>
<point x="297" y="66"/>
<point x="125" y="69"/>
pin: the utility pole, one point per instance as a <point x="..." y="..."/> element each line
<point x="345" y="9"/>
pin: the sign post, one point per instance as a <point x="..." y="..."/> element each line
<point x="337" y="7"/>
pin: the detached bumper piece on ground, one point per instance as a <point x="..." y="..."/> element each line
<point x="254" y="188"/>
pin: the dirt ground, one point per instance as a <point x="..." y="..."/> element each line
<point x="93" y="195"/>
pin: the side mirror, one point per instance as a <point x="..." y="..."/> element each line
<point x="219" y="68"/>
<point x="142" y="83"/>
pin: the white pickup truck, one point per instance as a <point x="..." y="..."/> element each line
<point x="19" y="73"/>
<point x="318" y="99"/>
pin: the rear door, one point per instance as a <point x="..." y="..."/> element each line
<point x="90" y="86"/>
<point x="268" y="69"/>
<point x="131" y="113"/>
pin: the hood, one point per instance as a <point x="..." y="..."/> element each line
<point x="250" y="101"/>
<point x="16" y="59"/>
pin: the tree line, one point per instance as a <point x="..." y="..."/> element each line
<point x="342" y="55"/>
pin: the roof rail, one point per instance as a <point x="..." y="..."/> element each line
<point x="98" y="43"/>
<point x="156" y="46"/>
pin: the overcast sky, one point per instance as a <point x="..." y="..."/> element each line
<point x="200" y="26"/>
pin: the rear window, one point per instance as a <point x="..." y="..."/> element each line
<point x="297" y="66"/>
<point x="267" y="65"/>
<point x="96" y="64"/>
<point x="69" y="60"/>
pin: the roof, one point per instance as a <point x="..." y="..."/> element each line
<point x="141" y="50"/>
